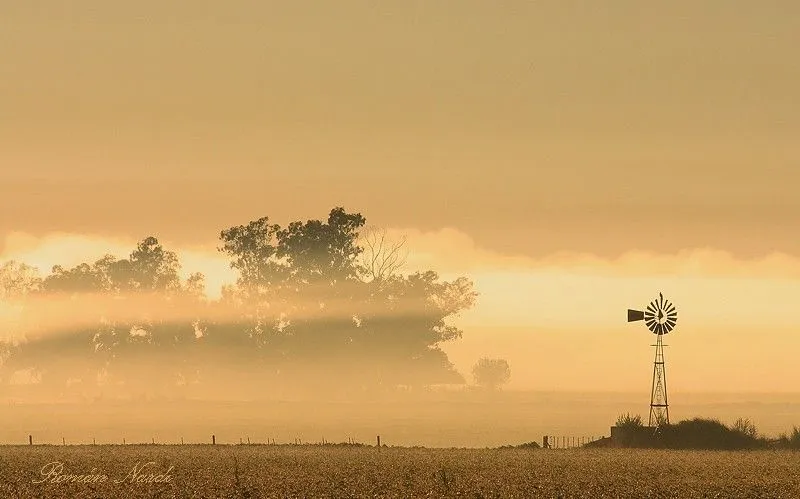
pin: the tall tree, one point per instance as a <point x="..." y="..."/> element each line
<point x="386" y="328"/>
<point x="252" y="249"/>
<point x="322" y="252"/>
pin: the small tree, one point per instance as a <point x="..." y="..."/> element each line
<point x="491" y="373"/>
<point x="18" y="280"/>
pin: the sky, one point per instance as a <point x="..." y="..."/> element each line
<point x="573" y="160"/>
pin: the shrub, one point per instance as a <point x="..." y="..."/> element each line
<point x="794" y="440"/>
<point x="745" y="427"/>
<point x="628" y="421"/>
<point x="702" y="433"/>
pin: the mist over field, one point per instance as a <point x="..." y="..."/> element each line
<point x="461" y="419"/>
<point x="325" y="333"/>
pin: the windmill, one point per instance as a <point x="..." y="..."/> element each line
<point x="660" y="318"/>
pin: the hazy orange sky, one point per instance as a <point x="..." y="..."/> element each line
<point x="573" y="159"/>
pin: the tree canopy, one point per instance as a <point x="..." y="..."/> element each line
<point x="491" y="373"/>
<point x="306" y="312"/>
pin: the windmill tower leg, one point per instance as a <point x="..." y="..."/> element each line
<point x="659" y="407"/>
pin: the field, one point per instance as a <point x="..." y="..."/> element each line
<point x="255" y="471"/>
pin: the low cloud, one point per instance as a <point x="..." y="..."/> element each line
<point x="453" y="251"/>
<point x="448" y="251"/>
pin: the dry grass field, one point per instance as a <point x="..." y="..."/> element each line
<point x="261" y="471"/>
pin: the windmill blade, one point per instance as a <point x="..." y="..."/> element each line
<point x="670" y="307"/>
<point x="660" y="328"/>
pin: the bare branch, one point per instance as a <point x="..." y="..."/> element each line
<point x="382" y="257"/>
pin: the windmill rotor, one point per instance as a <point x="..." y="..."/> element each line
<point x="660" y="316"/>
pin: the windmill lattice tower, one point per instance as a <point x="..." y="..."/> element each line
<point x="660" y="318"/>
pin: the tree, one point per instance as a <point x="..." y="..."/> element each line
<point x="83" y="278"/>
<point x="18" y="280"/>
<point x="314" y="308"/>
<point x="252" y="249"/>
<point x="491" y="373"/>
<point x="317" y="251"/>
<point x="152" y="268"/>
<point x="132" y="320"/>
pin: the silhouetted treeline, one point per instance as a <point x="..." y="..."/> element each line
<point x="311" y="310"/>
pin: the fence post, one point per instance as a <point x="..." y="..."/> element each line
<point x="379" y="442"/>
<point x="30" y="439"/>
<point x="213" y="439"/>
